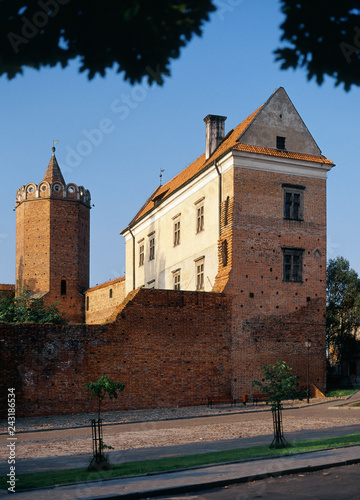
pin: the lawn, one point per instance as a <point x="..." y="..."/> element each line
<point x="41" y="479"/>
<point x="338" y="393"/>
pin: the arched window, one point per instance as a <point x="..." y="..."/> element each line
<point x="110" y="293"/>
<point x="63" y="287"/>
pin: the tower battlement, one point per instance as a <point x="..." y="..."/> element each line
<point x="56" y="190"/>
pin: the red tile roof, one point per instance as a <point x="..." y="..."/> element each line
<point x="230" y="142"/>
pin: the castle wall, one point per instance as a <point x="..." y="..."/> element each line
<point x="102" y="300"/>
<point x="169" y="348"/>
<point x="7" y="290"/>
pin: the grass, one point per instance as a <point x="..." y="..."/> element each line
<point x="337" y="393"/>
<point x="41" y="479"/>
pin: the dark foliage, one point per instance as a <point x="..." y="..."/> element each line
<point x="342" y="308"/>
<point x="24" y="309"/>
<point x="323" y="36"/>
<point x="137" y="36"/>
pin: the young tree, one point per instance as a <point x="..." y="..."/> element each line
<point x="25" y="309"/>
<point x="342" y="307"/>
<point x="102" y="387"/>
<point x="279" y="384"/>
<point x="99" y="389"/>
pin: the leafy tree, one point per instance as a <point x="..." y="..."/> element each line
<point x="343" y="307"/>
<point x="137" y="35"/>
<point x="279" y="384"/>
<point x="25" y="309"/>
<point x="323" y="36"/>
<point x="102" y="387"/>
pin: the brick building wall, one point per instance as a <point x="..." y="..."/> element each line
<point x="272" y="318"/>
<point x="169" y="348"/>
<point x="52" y="245"/>
<point x="7" y="290"/>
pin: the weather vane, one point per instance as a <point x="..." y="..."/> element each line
<point x="53" y="148"/>
<point x="160" y="175"/>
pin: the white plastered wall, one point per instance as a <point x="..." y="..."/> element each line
<point x="182" y="205"/>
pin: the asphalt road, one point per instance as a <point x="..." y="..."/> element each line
<point x="338" y="483"/>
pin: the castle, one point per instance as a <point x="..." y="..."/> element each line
<point x="225" y="270"/>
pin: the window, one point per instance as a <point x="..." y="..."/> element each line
<point x="226" y="215"/>
<point x="141" y="254"/>
<point x="63" y="287"/>
<point x="152" y="248"/>
<point x="87" y="303"/>
<point x="176" y="278"/>
<point x="199" y="218"/>
<point x="177" y="233"/>
<point x="224" y="253"/>
<point x="110" y="293"/>
<point x="280" y="142"/>
<point x="200" y="273"/>
<point x="151" y="283"/>
<point x="293" y="202"/>
<point x="292" y="264"/>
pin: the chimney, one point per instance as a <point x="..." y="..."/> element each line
<point x="215" y="132"/>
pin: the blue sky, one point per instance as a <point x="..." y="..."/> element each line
<point x="136" y="131"/>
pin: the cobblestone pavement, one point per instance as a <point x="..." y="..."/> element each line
<point x="131" y="416"/>
<point x="69" y="434"/>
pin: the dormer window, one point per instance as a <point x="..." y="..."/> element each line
<point x="280" y="142"/>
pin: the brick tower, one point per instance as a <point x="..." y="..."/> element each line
<point x="52" y="241"/>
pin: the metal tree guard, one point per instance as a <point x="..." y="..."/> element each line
<point x="279" y="441"/>
<point x="96" y="430"/>
<point x="99" y="461"/>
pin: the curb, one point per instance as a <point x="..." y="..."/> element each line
<point x="174" y="490"/>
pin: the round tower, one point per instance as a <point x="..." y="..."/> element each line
<point x="53" y="241"/>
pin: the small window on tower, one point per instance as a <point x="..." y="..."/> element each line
<point x="63" y="287"/>
<point x="110" y="293"/>
<point x="280" y="142"/>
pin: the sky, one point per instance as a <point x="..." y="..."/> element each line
<point x="115" y="138"/>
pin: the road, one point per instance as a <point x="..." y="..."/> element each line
<point x="338" y="483"/>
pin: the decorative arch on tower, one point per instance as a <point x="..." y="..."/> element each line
<point x="44" y="189"/>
